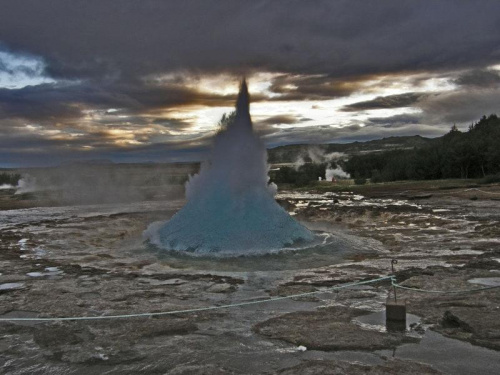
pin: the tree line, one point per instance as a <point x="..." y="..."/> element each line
<point x="9" y="178"/>
<point x="300" y="176"/>
<point x="474" y="153"/>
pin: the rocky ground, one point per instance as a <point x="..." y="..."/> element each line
<point x="91" y="261"/>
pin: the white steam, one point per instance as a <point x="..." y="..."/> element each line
<point x="27" y="184"/>
<point x="336" y="173"/>
<point x="6" y="187"/>
<point x="318" y="156"/>
<point x="231" y="206"/>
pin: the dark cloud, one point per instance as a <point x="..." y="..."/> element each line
<point x="460" y="107"/>
<point x="126" y="38"/>
<point x="280" y="119"/>
<point x="390" y="101"/>
<point x="172" y="123"/>
<point x="60" y="102"/>
<point x="396" y="121"/>
<point x="115" y="54"/>
<point x="28" y="146"/>
<point x="479" y="78"/>
<point x="316" y="87"/>
<point x="270" y="125"/>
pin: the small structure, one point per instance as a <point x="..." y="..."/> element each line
<point x="395" y="311"/>
<point x="395" y="315"/>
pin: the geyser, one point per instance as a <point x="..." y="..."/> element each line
<point x="230" y="204"/>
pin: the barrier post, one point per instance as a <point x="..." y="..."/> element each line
<point x="395" y="311"/>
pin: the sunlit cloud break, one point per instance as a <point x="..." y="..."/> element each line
<point x="155" y="91"/>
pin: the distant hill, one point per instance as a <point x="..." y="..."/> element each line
<point x="470" y="154"/>
<point x="290" y="153"/>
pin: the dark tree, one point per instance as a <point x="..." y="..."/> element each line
<point x="471" y="154"/>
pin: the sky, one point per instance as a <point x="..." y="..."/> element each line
<point x="148" y="81"/>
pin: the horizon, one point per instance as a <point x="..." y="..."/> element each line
<point x="150" y="82"/>
<point x="96" y="162"/>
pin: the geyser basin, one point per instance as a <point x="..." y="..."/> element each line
<point x="231" y="207"/>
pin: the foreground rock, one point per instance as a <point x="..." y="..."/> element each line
<point x="329" y="329"/>
<point x="340" y="368"/>
<point x="470" y="317"/>
<point x="90" y="261"/>
<point x="99" y="341"/>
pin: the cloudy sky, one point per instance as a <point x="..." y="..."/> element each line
<point x="135" y="81"/>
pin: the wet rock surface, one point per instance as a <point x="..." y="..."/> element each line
<point x="341" y="368"/>
<point x="329" y="329"/>
<point x="471" y="317"/>
<point x="91" y="261"/>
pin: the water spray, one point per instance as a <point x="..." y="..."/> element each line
<point x="230" y="205"/>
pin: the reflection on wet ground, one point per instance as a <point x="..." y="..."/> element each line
<point x="449" y="356"/>
<point x="91" y="260"/>
<point x="488" y="281"/>
<point x="445" y="354"/>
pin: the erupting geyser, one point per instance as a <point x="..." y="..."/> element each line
<point x="231" y="206"/>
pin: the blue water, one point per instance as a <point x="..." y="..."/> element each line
<point x="231" y="206"/>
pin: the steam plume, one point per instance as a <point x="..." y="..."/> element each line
<point x="231" y="206"/>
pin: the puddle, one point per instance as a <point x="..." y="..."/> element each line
<point x="35" y="274"/>
<point x="11" y="286"/>
<point x="448" y="355"/>
<point x="22" y="244"/>
<point x="376" y="321"/>
<point x="347" y="199"/>
<point x="156" y="282"/>
<point x="487" y="281"/>
<point x="50" y="273"/>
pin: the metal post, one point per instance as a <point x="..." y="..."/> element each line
<point x="393" y="262"/>
<point x="395" y="312"/>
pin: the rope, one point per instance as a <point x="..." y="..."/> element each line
<point x="395" y="284"/>
<point x="151" y="314"/>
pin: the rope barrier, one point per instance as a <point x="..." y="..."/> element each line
<point x="151" y="314"/>
<point x="396" y="285"/>
<point x="240" y="304"/>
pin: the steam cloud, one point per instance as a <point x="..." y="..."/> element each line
<point x="103" y="182"/>
<point x="317" y="156"/>
<point x="336" y="172"/>
<point x="27" y="184"/>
